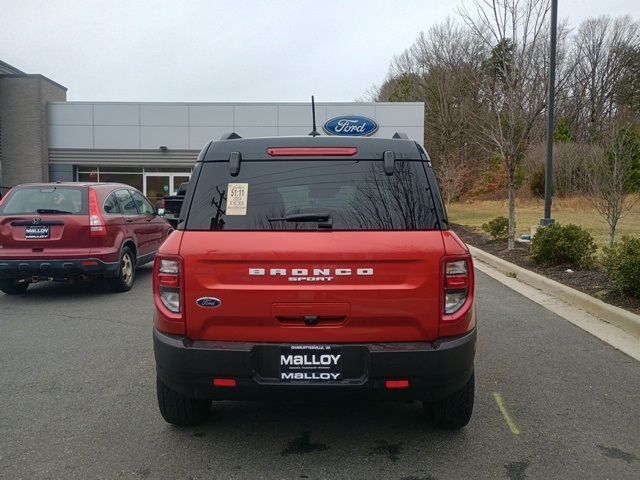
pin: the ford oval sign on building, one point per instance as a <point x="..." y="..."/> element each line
<point x="350" y="125"/>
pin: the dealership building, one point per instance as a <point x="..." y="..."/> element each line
<point x="152" y="146"/>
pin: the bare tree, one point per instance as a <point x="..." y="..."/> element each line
<point x="435" y="69"/>
<point x="513" y="83"/>
<point x="601" y="58"/>
<point x="611" y="180"/>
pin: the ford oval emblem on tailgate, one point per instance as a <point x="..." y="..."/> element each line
<point x="208" y="302"/>
<point x="351" y="125"/>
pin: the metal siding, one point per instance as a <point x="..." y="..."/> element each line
<point x="199" y="136"/>
<point x="351" y="109"/>
<point x="171" y="137"/>
<point x="70" y="114"/>
<point x="164" y="115"/>
<point x="117" y="114"/>
<point x="211" y="115"/>
<point x="399" y="116"/>
<point x="254" y="115"/>
<point x="299" y="115"/>
<point x="147" y="126"/>
<point x="116" y="136"/>
<point x="70" y="136"/>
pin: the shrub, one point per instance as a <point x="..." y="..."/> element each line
<point x="622" y="263"/>
<point x="563" y="244"/>
<point x="497" y="228"/>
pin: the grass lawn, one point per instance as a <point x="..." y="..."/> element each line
<point x="529" y="212"/>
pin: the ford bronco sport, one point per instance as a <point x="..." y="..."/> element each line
<point x="320" y="266"/>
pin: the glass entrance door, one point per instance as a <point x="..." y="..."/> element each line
<point x="179" y="179"/>
<point x="158" y="185"/>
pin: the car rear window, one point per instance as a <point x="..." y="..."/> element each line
<point x="354" y="194"/>
<point x="46" y="200"/>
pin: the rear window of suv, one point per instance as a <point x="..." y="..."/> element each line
<point x="351" y="194"/>
<point x="46" y="200"/>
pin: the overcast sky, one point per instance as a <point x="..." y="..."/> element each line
<point x="226" y="51"/>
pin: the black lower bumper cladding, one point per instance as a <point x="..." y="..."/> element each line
<point x="21" y="269"/>
<point x="433" y="369"/>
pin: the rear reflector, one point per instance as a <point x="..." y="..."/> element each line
<point x="456" y="282"/>
<point x="313" y="152"/>
<point x="90" y="263"/>
<point x="391" y="384"/>
<point x="166" y="280"/>
<point x="224" y="382"/>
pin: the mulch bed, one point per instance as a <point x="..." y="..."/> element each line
<point x="592" y="281"/>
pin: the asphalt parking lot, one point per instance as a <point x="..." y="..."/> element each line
<point x="77" y="400"/>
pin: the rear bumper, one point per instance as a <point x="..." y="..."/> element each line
<point x="57" y="268"/>
<point x="434" y="369"/>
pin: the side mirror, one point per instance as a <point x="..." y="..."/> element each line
<point x="161" y="212"/>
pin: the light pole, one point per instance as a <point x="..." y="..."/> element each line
<point x="548" y="181"/>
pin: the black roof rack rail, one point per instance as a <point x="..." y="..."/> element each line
<point x="230" y="136"/>
<point x="401" y="135"/>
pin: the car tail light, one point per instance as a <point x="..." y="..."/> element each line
<point x="97" y="224"/>
<point x="312" y="152"/>
<point x="169" y="284"/>
<point x="456" y="285"/>
<point x="168" y="294"/>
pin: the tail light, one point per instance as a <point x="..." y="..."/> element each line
<point x="169" y="294"/>
<point x="312" y="152"/>
<point x="457" y="284"/>
<point x="97" y="224"/>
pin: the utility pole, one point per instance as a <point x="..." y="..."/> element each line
<point x="548" y="182"/>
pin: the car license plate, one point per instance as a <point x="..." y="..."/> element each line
<point x="310" y="363"/>
<point x="36" y="232"/>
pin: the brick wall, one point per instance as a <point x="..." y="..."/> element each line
<point x="23" y="127"/>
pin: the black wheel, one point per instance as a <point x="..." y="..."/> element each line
<point x="13" y="287"/>
<point x="123" y="281"/>
<point x="178" y="409"/>
<point x="454" y="411"/>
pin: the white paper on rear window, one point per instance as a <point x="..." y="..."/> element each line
<point x="237" y="195"/>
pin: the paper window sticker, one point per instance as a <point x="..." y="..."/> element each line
<point x="237" y="196"/>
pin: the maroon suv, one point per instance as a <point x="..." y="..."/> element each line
<point x="69" y="231"/>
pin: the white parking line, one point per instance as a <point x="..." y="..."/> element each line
<point x="598" y="327"/>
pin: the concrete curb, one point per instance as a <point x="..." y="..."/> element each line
<point x="619" y="317"/>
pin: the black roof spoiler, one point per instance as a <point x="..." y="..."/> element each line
<point x="230" y="136"/>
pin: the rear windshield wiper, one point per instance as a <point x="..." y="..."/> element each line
<point x="323" y="219"/>
<point x="302" y="217"/>
<point x="51" y="210"/>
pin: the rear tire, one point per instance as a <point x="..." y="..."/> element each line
<point x="452" y="412"/>
<point x="11" y="286"/>
<point x="126" y="272"/>
<point x="180" y="410"/>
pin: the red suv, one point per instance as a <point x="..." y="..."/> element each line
<point x="68" y="231"/>
<point x="314" y="267"/>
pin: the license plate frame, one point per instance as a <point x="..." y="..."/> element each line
<point x="311" y="363"/>
<point x="37" y="232"/>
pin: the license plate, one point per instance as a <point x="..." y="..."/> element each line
<point x="36" y="232"/>
<point x="310" y="363"/>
